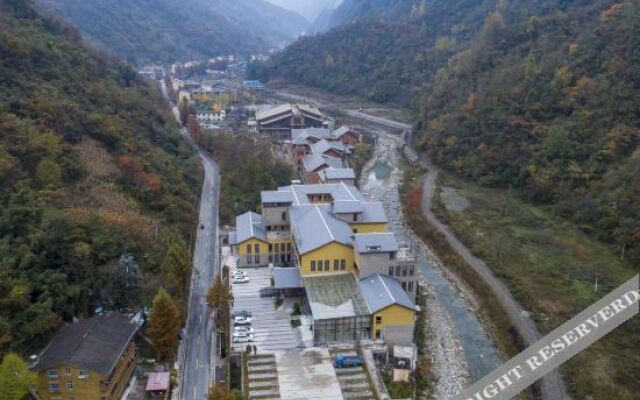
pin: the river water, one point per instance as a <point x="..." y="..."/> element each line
<point x="449" y="308"/>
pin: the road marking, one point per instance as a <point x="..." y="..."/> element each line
<point x="197" y="362"/>
<point x="194" y="393"/>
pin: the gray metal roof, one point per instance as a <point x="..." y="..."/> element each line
<point x="316" y="160"/>
<point x="313" y="226"/>
<point x="96" y="344"/>
<point x="381" y="291"/>
<point x="375" y="242"/>
<point x="318" y="133"/>
<point x="373" y="212"/>
<point x="273" y="196"/>
<point x="338" y="191"/>
<point x="248" y="225"/>
<point x="287" y="109"/>
<point x="324" y="145"/>
<point x="339" y="173"/>
<point x="287" y="278"/>
<point x="334" y="296"/>
<point x="347" y="207"/>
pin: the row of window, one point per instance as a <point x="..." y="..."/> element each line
<point x="55" y="387"/>
<point x="407" y="286"/>
<point x="275" y="247"/>
<point x="320" y="265"/>
<point x="401" y="270"/>
<point x="53" y="373"/>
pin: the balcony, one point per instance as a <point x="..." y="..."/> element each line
<point x="405" y="255"/>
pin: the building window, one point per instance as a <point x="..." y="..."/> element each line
<point x="257" y="259"/>
<point x="355" y="217"/>
<point x="54" y="388"/>
<point x="404" y="285"/>
<point x="392" y="255"/>
<point x="343" y="265"/>
<point x="282" y="247"/>
<point x="69" y="385"/>
<point x="249" y="249"/>
<point x="83" y="374"/>
<point x="398" y="273"/>
<point x="336" y="265"/>
<point x="270" y="248"/>
<point x="313" y="265"/>
<point x="355" y="231"/>
<point x="391" y="271"/>
<point x="411" y="286"/>
<point x="411" y="268"/>
<point x="404" y="270"/>
<point x="249" y="259"/>
<point x="284" y="215"/>
<point x="289" y="247"/>
<point x="52" y="374"/>
<point x="270" y="258"/>
<point x="378" y="319"/>
<point x="378" y="334"/>
<point x="257" y="249"/>
<point x="67" y="371"/>
<point x="327" y="263"/>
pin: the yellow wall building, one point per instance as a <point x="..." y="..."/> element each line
<point x="90" y="360"/>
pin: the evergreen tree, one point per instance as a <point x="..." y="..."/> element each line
<point x="177" y="264"/>
<point x="15" y="378"/>
<point x="164" y="324"/>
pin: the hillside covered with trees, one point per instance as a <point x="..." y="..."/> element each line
<point x="165" y="31"/>
<point x="540" y="95"/>
<point x="95" y="182"/>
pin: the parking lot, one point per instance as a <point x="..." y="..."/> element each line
<point x="272" y="328"/>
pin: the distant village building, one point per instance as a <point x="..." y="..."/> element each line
<point x="279" y="121"/>
<point x="211" y="116"/>
<point x="315" y="150"/>
<point x="90" y="360"/>
<point x="253" y="85"/>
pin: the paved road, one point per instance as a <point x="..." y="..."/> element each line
<point x="552" y="386"/>
<point x="198" y="358"/>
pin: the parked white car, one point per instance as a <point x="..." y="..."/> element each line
<point x="241" y="337"/>
<point x="242" y="321"/>
<point x="240" y="279"/>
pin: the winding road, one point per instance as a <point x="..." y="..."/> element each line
<point x="197" y="358"/>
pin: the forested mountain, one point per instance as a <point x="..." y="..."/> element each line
<point x="95" y="180"/>
<point x="541" y="95"/>
<point x="145" y="31"/>
<point x="353" y="10"/>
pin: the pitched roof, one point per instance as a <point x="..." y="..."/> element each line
<point x="347" y="207"/>
<point x="274" y="196"/>
<point x="338" y="191"/>
<point x="381" y="291"/>
<point x="284" y="110"/>
<point x="318" y="133"/>
<point x="338" y="173"/>
<point x="313" y="226"/>
<point x="248" y="226"/>
<point x="96" y="344"/>
<point x="342" y="131"/>
<point x="373" y="213"/>
<point x="375" y="242"/>
<point x="287" y="278"/>
<point x="324" y="145"/>
<point x="314" y="161"/>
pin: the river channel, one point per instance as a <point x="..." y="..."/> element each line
<point x="455" y="332"/>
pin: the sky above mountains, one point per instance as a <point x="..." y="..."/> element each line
<point x="310" y="9"/>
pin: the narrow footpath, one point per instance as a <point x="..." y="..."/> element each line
<point x="552" y="386"/>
